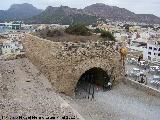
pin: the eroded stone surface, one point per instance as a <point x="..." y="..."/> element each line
<point x="24" y="92"/>
<point x="64" y="63"/>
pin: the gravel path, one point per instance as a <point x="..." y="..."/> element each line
<point x="25" y="92"/>
<point x="121" y="103"/>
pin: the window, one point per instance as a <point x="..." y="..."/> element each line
<point x="155" y="48"/>
<point x="158" y="54"/>
<point x="150" y="48"/>
<point x="149" y="58"/>
<point x="154" y="53"/>
<point x="159" y="49"/>
<point x="154" y="59"/>
<point x="149" y="53"/>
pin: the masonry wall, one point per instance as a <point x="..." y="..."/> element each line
<point x="63" y="65"/>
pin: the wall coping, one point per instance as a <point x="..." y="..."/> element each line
<point x="149" y="90"/>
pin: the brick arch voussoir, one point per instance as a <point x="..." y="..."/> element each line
<point x="86" y="65"/>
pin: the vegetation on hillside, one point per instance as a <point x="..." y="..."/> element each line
<point x="44" y="33"/>
<point x="97" y="30"/>
<point x="107" y="35"/>
<point x="78" y="29"/>
<point x="62" y="15"/>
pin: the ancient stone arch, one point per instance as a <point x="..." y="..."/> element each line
<point x="84" y="66"/>
<point x="64" y="63"/>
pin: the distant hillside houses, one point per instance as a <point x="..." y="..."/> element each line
<point x="12" y="44"/>
<point x="51" y="26"/>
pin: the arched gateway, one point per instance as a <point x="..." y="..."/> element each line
<point x="65" y="63"/>
<point x="90" y="81"/>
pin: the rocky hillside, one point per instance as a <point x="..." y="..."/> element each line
<point x="148" y="18"/>
<point x="109" y="12"/>
<point x="19" y="12"/>
<point x="67" y="15"/>
<point x="90" y="14"/>
<point x="119" y="14"/>
<point x="62" y="15"/>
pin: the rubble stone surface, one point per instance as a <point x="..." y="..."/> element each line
<point x="64" y="63"/>
<point x="24" y="92"/>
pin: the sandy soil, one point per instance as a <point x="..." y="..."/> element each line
<point x="25" y="92"/>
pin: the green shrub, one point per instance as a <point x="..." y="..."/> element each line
<point x="46" y="32"/>
<point x="78" y="29"/>
<point x="97" y="30"/>
<point x="107" y="35"/>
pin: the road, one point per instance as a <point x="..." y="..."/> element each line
<point x="121" y="103"/>
<point x="129" y="68"/>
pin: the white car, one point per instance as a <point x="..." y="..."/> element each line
<point x="136" y="72"/>
<point x="142" y="62"/>
<point x="133" y="61"/>
<point x="154" y="69"/>
<point x="155" y="80"/>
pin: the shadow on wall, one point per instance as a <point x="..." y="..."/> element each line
<point x="90" y="80"/>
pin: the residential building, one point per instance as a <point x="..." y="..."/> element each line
<point x="152" y="52"/>
<point x="10" y="47"/>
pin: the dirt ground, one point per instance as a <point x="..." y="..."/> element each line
<point x="25" y="92"/>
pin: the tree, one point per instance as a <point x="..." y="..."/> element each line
<point x="108" y="35"/>
<point x="97" y="30"/>
<point x="78" y="29"/>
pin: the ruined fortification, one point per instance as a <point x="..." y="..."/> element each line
<point x="64" y="63"/>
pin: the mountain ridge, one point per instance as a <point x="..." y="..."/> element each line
<point x="62" y="15"/>
<point x="19" y="12"/>
<point x="67" y="15"/>
<point x="120" y="14"/>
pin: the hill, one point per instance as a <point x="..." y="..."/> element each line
<point x="67" y="15"/>
<point x="119" y="14"/>
<point x="62" y="15"/>
<point x="19" y="12"/>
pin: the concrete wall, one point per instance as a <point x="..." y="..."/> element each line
<point x="63" y="65"/>
<point x="145" y="88"/>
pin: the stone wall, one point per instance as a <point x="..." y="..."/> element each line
<point x="64" y="63"/>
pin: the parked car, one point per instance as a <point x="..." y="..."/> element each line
<point x="136" y="72"/>
<point x="143" y="64"/>
<point x="154" y="69"/>
<point x="155" y="80"/>
<point x="133" y="61"/>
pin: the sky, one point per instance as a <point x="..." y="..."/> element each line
<point x="137" y="6"/>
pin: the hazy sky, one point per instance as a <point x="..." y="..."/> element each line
<point x="137" y="6"/>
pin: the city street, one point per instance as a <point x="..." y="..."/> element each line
<point x="149" y="76"/>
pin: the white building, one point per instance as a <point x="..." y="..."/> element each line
<point x="152" y="52"/>
<point x="16" y="36"/>
<point x="15" y="25"/>
<point x="10" y="47"/>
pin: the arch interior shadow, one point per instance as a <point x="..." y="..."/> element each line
<point x="94" y="79"/>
